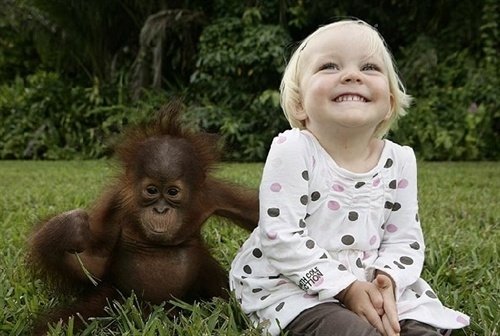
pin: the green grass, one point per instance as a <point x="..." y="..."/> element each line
<point x="459" y="207"/>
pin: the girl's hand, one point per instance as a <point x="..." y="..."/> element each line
<point x="386" y="287"/>
<point x="365" y="300"/>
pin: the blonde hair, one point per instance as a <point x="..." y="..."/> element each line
<point x="290" y="83"/>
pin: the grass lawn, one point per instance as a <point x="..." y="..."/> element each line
<point x="459" y="208"/>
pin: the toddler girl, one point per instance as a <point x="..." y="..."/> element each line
<point x="339" y="247"/>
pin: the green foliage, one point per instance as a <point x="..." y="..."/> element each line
<point x="234" y="89"/>
<point x="458" y="208"/>
<point x="227" y="57"/>
<point x="456" y="115"/>
<point x="44" y="118"/>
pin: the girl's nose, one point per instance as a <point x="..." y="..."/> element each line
<point x="351" y="76"/>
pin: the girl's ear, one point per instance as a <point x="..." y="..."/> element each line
<point x="391" y="110"/>
<point x="299" y="112"/>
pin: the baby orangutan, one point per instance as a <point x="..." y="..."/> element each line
<point x="143" y="234"/>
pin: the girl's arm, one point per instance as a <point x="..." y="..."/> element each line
<point x="401" y="253"/>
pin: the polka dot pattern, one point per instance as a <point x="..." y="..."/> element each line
<point x="304" y="199"/>
<point x="275" y="187"/>
<point x="359" y="185"/>
<point x="280" y="306"/>
<point x="257" y="253"/>
<point x="347" y="240"/>
<point x="347" y="216"/>
<point x="353" y="216"/>
<point x="315" y="196"/>
<point x="431" y="294"/>
<point x="333" y="205"/>
<point x="273" y="212"/>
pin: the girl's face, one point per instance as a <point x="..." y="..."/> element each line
<point x="343" y="84"/>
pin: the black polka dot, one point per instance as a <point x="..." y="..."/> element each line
<point x="256" y="290"/>
<point x="348" y="240"/>
<point x="417" y="218"/>
<point x="307" y="216"/>
<point x="353" y="216"/>
<point x="280" y="306"/>
<point x="342" y="268"/>
<point x="417" y="295"/>
<point x="310" y="244"/>
<point x="304" y="199"/>
<point x="431" y="294"/>
<point x="383" y="226"/>
<point x="387" y="266"/>
<point x="300" y="232"/>
<point x="406" y="260"/>
<point x="388" y="205"/>
<point x="415" y="246"/>
<point x="315" y="196"/>
<point x="388" y="163"/>
<point x="399" y="265"/>
<point x="257" y="253"/>
<point x="359" y="185"/>
<point x="359" y="263"/>
<point x="271" y="277"/>
<point x="273" y="212"/>
<point x="393" y="184"/>
<point x="375" y="175"/>
<point x="396" y="206"/>
<point x="324" y="256"/>
<point x="305" y="175"/>
<point x="302" y="223"/>
<point x="247" y="269"/>
<point x="264" y="297"/>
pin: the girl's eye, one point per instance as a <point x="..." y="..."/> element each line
<point x="370" y="67"/>
<point x="329" y="66"/>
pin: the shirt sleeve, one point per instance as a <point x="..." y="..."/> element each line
<point x="284" y="195"/>
<point x="401" y="253"/>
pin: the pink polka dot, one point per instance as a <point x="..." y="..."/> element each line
<point x="403" y="183"/>
<point x="391" y="228"/>
<point x="373" y="240"/>
<point x="276" y="187"/>
<point x="333" y="205"/>
<point x="366" y="255"/>
<point x="281" y="282"/>
<point x="272" y="235"/>
<point x="462" y="320"/>
<point x="376" y="182"/>
<point x="308" y="296"/>
<point x="338" y="188"/>
<point x="281" y="139"/>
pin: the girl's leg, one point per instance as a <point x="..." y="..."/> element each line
<point x="415" y="328"/>
<point x="329" y="319"/>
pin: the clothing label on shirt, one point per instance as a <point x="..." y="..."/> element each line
<point x="312" y="277"/>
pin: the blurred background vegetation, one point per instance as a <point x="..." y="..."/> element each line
<point x="73" y="73"/>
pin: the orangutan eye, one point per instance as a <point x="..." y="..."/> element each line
<point x="152" y="190"/>
<point x="173" y="191"/>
